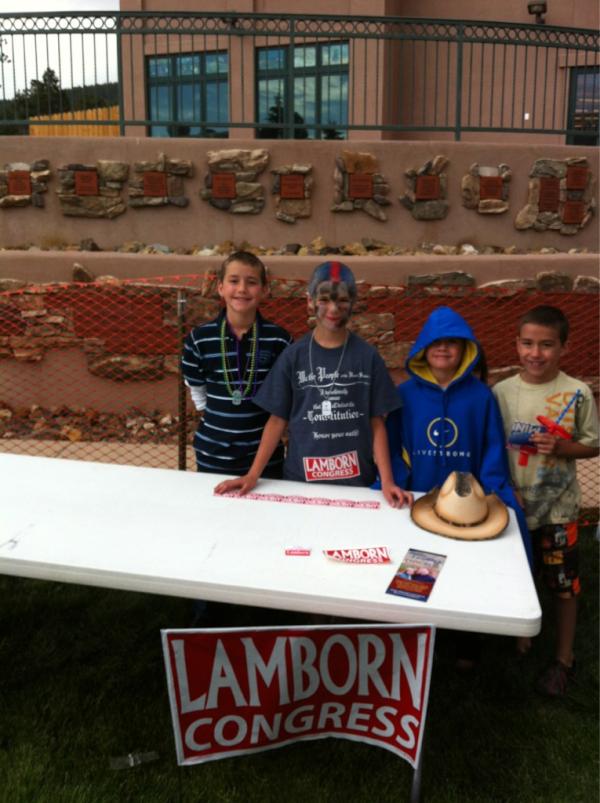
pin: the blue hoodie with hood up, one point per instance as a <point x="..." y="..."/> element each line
<point x="458" y="428"/>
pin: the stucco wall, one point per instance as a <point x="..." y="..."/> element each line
<point x="576" y="13"/>
<point x="199" y="224"/>
<point x="57" y="266"/>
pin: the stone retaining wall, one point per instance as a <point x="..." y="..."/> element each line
<point x="403" y="193"/>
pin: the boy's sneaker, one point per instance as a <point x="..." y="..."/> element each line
<point x="554" y="680"/>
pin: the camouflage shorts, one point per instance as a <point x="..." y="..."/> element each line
<point x="557" y="557"/>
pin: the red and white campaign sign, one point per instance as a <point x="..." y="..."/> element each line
<point x="240" y="691"/>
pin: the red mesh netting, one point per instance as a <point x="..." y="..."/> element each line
<point x="91" y="371"/>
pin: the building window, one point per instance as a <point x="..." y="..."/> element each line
<point x="307" y="99"/>
<point x="584" y="106"/>
<point x="190" y="92"/>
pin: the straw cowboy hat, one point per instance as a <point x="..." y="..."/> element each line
<point x="460" y="509"/>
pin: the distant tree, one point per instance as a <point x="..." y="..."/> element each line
<point x="332" y="133"/>
<point x="95" y="96"/>
<point x="4" y="58"/>
<point x="46" y="96"/>
<point x="40" y="98"/>
<point x="278" y="114"/>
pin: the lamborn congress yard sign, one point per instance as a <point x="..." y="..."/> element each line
<point x="240" y="691"/>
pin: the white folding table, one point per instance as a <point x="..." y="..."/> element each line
<point x="165" y="532"/>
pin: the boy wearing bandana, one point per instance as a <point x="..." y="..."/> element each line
<point x="331" y="390"/>
<point x="225" y="362"/>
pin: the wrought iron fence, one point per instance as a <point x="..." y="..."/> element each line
<point x="228" y="74"/>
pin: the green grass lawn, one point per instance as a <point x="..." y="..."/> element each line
<point x="82" y="681"/>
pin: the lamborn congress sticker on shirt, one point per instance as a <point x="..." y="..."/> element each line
<point x="240" y="691"/>
<point x="337" y="467"/>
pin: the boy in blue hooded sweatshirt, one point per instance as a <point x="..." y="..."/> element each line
<point x="449" y="419"/>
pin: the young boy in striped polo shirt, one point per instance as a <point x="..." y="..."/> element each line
<point x="224" y="364"/>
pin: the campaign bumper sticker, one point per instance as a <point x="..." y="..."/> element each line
<point x="336" y="467"/>
<point x="369" y="554"/>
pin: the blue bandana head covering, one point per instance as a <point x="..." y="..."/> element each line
<point x="334" y="273"/>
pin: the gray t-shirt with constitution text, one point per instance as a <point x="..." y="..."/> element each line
<point x="329" y="408"/>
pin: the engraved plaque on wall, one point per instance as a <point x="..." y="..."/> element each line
<point x="549" y="194"/>
<point x="19" y="182"/>
<point x="490" y="187"/>
<point x="573" y="212"/>
<point x="427" y="188"/>
<point x="155" y="183"/>
<point x="292" y="187"/>
<point x="223" y="185"/>
<point x="577" y="177"/>
<point x="360" y="185"/>
<point x="86" y="182"/>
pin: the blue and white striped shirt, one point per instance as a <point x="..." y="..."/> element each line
<point x="228" y="436"/>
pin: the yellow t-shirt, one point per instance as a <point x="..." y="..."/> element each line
<point x="548" y="484"/>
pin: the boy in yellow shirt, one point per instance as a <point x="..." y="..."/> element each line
<point x="546" y="477"/>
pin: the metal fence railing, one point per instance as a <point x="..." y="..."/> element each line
<point x="264" y="75"/>
<point x="92" y="371"/>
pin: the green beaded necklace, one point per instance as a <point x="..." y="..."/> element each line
<point x="239" y="393"/>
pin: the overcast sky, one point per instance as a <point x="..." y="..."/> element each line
<point x="33" y="6"/>
<point x="27" y="56"/>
